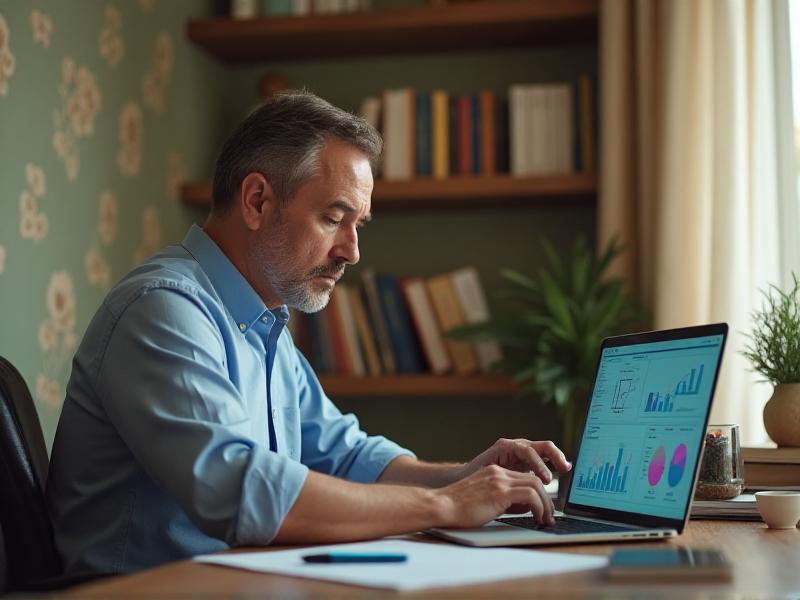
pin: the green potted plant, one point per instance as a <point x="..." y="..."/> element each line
<point x="551" y="325"/>
<point x="774" y="351"/>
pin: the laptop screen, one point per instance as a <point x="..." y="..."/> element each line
<point x="645" y="424"/>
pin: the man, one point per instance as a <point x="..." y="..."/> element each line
<point x="192" y="423"/>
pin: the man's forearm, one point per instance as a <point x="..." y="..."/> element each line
<point x="334" y="510"/>
<point x="406" y="470"/>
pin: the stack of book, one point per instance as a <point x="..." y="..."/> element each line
<point x="390" y="325"/>
<point x="771" y="467"/>
<point x="542" y="129"/>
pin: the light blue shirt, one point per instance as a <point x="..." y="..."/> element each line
<point x="191" y="420"/>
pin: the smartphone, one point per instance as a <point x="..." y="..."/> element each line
<point x="650" y="564"/>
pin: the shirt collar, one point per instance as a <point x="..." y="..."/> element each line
<point x="238" y="296"/>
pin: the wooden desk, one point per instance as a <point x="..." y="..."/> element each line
<point x="767" y="564"/>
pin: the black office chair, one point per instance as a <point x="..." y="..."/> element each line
<point x="30" y="554"/>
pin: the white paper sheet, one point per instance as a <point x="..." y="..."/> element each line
<point x="428" y="565"/>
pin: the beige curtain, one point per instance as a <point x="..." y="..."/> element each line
<point x="689" y="176"/>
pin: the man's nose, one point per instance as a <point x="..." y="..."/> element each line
<point x="346" y="248"/>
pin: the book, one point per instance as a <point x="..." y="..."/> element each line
<point x="365" y="333"/>
<point x="347" y="324"/>
<point x="398" y="134"/>
<point x="449" y="315"/>
<point x="518" y="129"/>
<point x="771" y="466"/>
<point x="469" y="291"/>
<point x="370" y="111"/>
<point x="335" y="332"/>
<point x="423" y="134"/>
<point x="742" y="507"/>
<point x="424" y="319"/>
<point x="440" y="138"/>
<point x="488" y="137"/>
<point x="401" y="333"/>
<point x="475" y="128"/>
<point x="465" y="141"/>
<point x="378" y="321"/>
<point x="587" y="124"/>
<point x="452" y="116"/>
<point x="276" y="8"/>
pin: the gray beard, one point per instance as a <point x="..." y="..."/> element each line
<point x="295" y="292"/>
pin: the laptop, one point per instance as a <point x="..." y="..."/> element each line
<point x="640" y="447"/>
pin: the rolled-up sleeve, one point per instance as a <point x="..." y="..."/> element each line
<point x="334" y="443"/>
<point x="164" y="383"/>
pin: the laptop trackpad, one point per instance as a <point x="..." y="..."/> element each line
<point x="493" y="533"/>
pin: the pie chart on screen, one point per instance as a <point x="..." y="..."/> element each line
<point x="677" y="466"/>
<point x="656" y="468"/>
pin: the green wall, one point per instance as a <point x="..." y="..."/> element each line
<point x="108" y="197"/>
<point x="77" y="69"/>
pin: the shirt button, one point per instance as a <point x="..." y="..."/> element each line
<point x="264" y="319"/>
<point x="274" y="413"/>
<point x="242" y="326"/>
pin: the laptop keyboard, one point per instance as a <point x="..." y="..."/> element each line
<point x="564" y="525"/>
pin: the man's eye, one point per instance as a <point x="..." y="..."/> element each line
<point x="330" y="221"/>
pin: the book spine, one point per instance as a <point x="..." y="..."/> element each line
<point x="401" y="335"/>
<point x="335" y="327"/>
<point x="378" y="321"/>
<point x="348" y="328"/>
<point x="424" y="319"/>
<point x="365" y="333"/>
<point x="398" y="134"/>
<point x="464" y="135"/>
<point x="441" y="135"/>
<point x="471" y="298"/>
<point x="587" y="124"/>
<point x="488" y="132"/>
<point x="518" y="129"/>
<point x="453" y="137"/>
<point x="449" y="315"/>
<point x="476" y="127"/>
<point x="423" y="134"/>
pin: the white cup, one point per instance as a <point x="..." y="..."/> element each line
<point x="780" y="510"/>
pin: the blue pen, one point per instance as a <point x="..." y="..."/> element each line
<point x="355" y="557"/>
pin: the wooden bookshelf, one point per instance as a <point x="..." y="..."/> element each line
<point x="417" y="385"/>
<point x="485" y="24"/>
<point x="496" y="191"/>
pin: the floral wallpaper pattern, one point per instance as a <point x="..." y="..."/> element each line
<point x="105" y="109"/>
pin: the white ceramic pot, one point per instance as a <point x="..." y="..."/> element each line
<point x="782" y="415"/>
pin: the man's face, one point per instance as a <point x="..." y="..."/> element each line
<point x="305" y="248"/>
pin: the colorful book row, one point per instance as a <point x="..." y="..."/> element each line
<point x="542" y="129"/>
<point x="390" y="325"/>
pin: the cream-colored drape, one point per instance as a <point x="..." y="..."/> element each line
<point x="689" y="176"/>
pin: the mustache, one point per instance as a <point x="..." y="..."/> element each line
<point x="334" y="270"/>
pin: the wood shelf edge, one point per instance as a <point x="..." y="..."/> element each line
<point x="455" y="191"/>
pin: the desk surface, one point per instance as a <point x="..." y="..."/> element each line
<point x="766" y="564"/>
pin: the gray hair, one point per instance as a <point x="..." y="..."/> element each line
<point x="282" y="140"/>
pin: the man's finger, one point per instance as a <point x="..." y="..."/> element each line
<point x="548" y="450"/>
<point x="529" y="455"/>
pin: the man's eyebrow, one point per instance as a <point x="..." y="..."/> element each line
<point x="349" y="209"/>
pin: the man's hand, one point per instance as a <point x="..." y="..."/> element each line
<point x="490" y="492"/>
<point x="521" y="455"/>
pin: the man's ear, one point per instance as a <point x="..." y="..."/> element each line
<point x="257" y="200"/>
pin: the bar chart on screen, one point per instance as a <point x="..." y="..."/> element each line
<point x="607" y="475"/>
<point x="678" y="396"/>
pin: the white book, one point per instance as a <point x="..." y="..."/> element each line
<point x="301" y="7"/>
<point x="424" y="318"/>
<point x="518" y="125"/>
<point x="469" y="291"/>
<point x="564" y="128"/>
<point x="349" y="331"/>
<point x="538" y="130"/>
<point x="370" y="111"/>
<point x="398" y="126"/>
